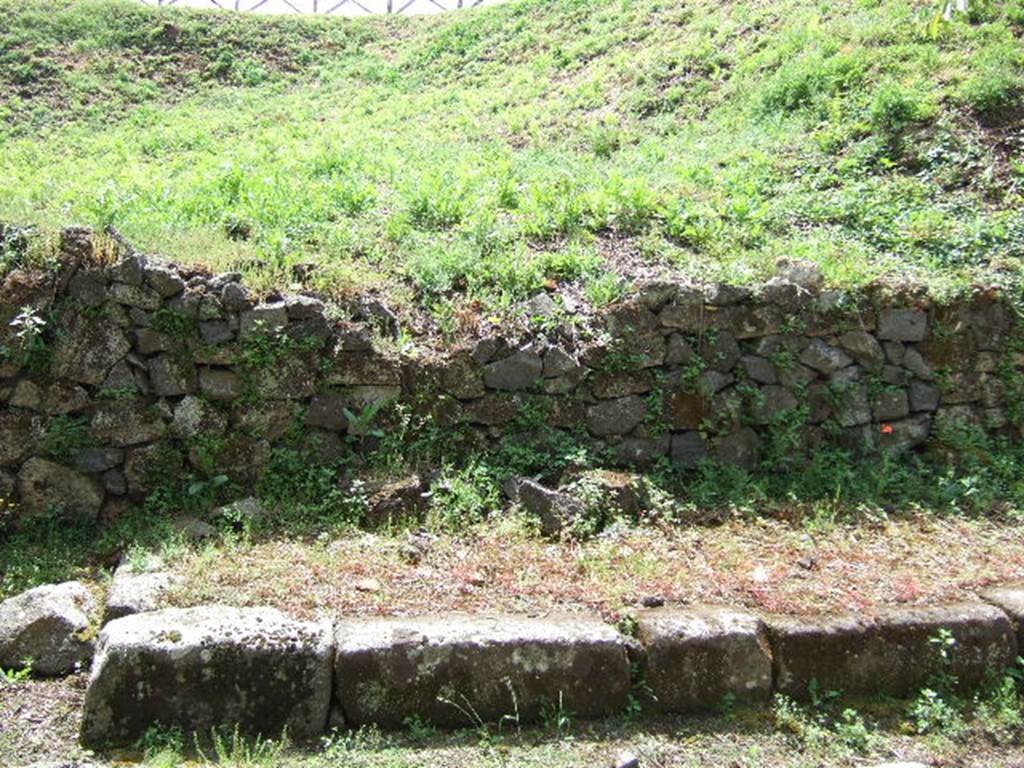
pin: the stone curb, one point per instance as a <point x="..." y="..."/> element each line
<point x="454" y="670"/>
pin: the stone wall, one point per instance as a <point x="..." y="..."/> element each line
<point x="142" y="369"/>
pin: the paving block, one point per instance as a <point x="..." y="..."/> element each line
<point x="893" y="653"/>
<point x="210" y="667"/>
<point x="696" y="658"/>
<point x="455" y="670"/>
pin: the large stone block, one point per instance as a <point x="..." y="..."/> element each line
<point x="449" y="670"/>
<point x="698" y="657"/>
<point x="1010" y="599"/>
<point x="893" y="654"/>
<point x="209" y="667"/>
<point x="48" y="624"/>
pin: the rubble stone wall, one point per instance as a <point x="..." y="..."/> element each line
<point x="113" y="373"/>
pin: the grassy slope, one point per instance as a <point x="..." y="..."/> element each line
<point x="482" y="154"/>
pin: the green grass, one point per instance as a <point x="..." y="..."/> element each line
<point x="475" y="156"/>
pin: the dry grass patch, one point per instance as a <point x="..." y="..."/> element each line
<point x="765" y="564"/>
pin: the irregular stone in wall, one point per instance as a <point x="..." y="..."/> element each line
<point x="489" y="348"/>
<point x="923" y="397"/>
<point x="292" y="378"/>
<point x="351" y="368"/>
<point x="724" y="294"/>
<point x="630" y="318"/>
<point x="720" y="351"/>
<point x="127" y="422"/>
<point x="219" y="384"/>
<point x="194" y="417"/>
<point x="145" y="468"/>
<point x="894" y="375"/>
<point x="96" y="459"/>
<point x="902" y="325"/>
<point x="678" y="350"/>
<point x="655" y="294"/>
<point x="993" y="391"/>
<point x="758" y="369"/>
<point x="114" y="482"/>
<point x="263" y="320"/>
<point x="21" y="435"/>
<point x="88" y="288"/>
<point x="699" y="657"/>
<point x="686" y="316"/>
<point x="493" y="410"/>
<point x="748" y="322"/>
<point x="558" y="362"/>
<point x="164" y="280"/>
<point x="50" y="625"/>
<point x="905" y="434"/>
<point x="894" y="352"/>
<point x="172" y="376"/>
<point x="824" y="358"/>
<point x="959" y="387"/>
<point x="794" y="375"/>
<point x="216" y="332"/>
<point x="616" y="417"/>
<point x="689" y="449"/>
<point x="608" y="385"/>
<point x="864" y="347"/>
<point x="51" y="399"/>
<point x="917" y="365"/>
<point x="7" y="485"/>
<point x="135" y="296"/>
<point x="388" y="670"/>
<point x="770" y="402"/>
<point x="301" y="307"/>
<point x="45" y="487"/>
<point x="234" y="297"/>
<point x="270" y="420"/>
<point x="327" y="411"/>
<point x="128" y="270"/>
<point x="647" y="350"/>
<point x="210" y="667"/>
<point x="891" y="404"/>
<point x="520" y="370"/>
<point x="712" y="382"/>
<point x="239" y="457"/>
<point x="741" y="447"/>
<point x="851" y="404"/>
<point x="640" y="451"/>
<point x="893" y="655"/>
<point x="461" y="377"/>
<point x="87" y="349"/>
<point x="685" y="410"/>
<point x="149" y="342"/>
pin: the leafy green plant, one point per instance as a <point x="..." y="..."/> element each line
<point x="66" y="435"/>
<point x="20" y="675"/>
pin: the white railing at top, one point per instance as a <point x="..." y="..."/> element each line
<point x="335" y="7"/>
